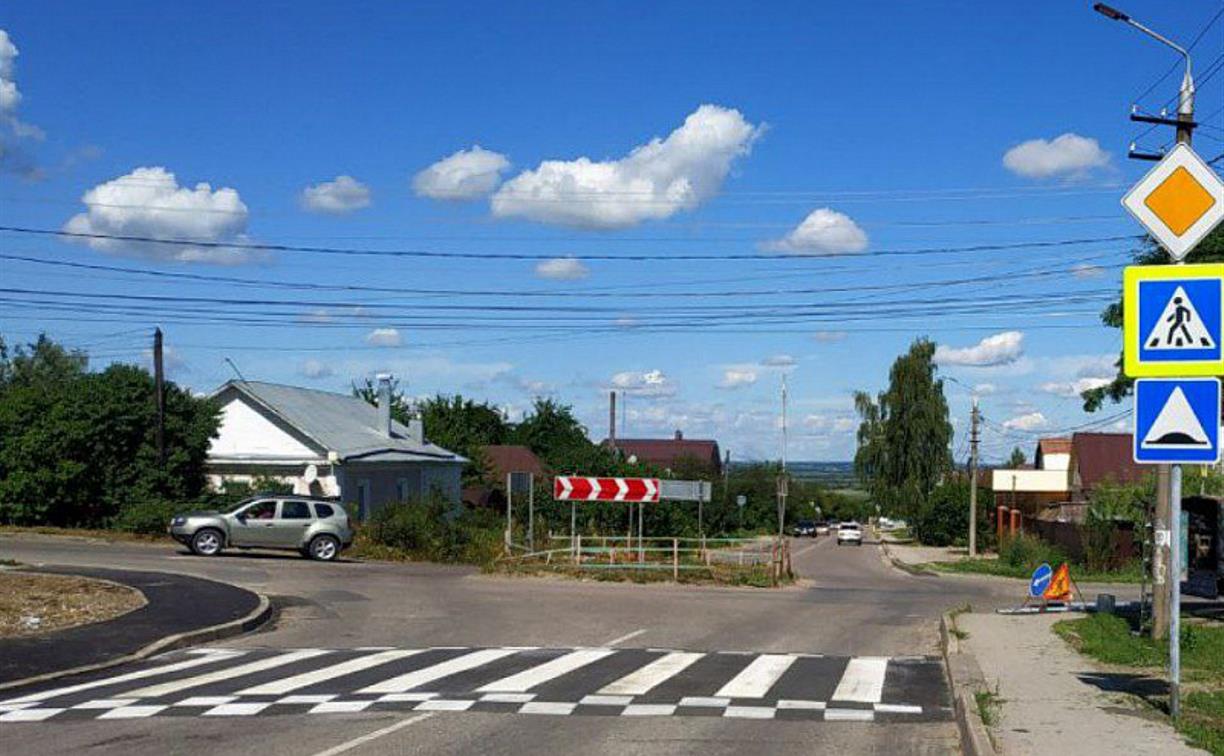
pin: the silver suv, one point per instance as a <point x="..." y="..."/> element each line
<point x="317" y="529"/>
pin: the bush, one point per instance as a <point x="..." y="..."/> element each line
<point x="435" y="529"/>
<point x="1027" y="552"/>
<point x="943" y="518"/>
<point x="152" y="517"/>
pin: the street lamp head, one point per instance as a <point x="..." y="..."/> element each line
<point x="1108" y="12"/>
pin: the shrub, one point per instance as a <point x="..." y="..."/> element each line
<point x="150" y="517"/>
<point x="1027" y="552"/>
<point x="943" y="518"/>
<point x="435" y="529"/>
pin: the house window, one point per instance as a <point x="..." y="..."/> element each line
<point x="401" y="489"/>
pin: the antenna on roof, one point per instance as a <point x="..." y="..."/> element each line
<point x="234" y="367"/>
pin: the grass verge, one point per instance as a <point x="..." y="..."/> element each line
<point x="1108" y="639"/>
<point x="987" y="707"/>
<point x="1000" y="569"/>
<point x="32" y="603"/>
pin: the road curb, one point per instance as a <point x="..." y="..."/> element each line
<point x="908" y="569"/>
<point x="965" y="678"/>
<point x="256" y="618"/>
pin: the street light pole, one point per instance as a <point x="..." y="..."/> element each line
<point x="1166" y="562"/>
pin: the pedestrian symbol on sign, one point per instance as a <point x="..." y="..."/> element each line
<point x="1179" y="326"/>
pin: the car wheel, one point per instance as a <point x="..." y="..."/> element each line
<point x="207" y="542"/>
<point x="324" y="548"/>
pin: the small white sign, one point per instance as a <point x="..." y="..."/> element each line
<point x="1163" y="538"/>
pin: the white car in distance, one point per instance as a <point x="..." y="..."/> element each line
<point x="850" y="532"/>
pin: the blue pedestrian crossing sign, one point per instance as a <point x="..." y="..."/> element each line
<point x="1177" y="420"/>
<point x="1173" y="320"/>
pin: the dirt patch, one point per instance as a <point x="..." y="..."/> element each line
<point x="33" y="603"/>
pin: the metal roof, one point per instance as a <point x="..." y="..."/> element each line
<point x="346" y="425"/>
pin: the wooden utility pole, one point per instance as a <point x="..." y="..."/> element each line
<point x="159" y="382"/>
<point x="973" y="471"/>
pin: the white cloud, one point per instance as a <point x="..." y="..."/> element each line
<point x="10" y="96"/>
<point x="562" y="269"/>
<point x="1029" y="422"/>
<point x="654" y="181"/>
<point x="384" y="337"/>
<point x="14" y="158"/>
<point x="1072" y="389"/>
<point x="829" y="337"/>
<point x="822" y="232"/>
<point x="734" y="378"/>
<point x="985" y="389"/>
<point x="779" y="361"/>
<point x="1084" y="270"/>
<point x="149" y="202"/>
<point x="1066" y="155"/>
<point x="650" y="383"/>
<point x="315" y="370"/>
<point x="465" y="175"/>
<point x="341" y="195"/>
<point x="999" y="349"/>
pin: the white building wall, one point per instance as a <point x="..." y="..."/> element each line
<point x="246" y="433"/>
<point x="1055" y="461"/>
<point x="1030" y="481"/>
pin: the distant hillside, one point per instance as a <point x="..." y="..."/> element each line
<point x="829" y="474"/>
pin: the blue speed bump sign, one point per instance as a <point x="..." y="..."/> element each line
<point x="1173" y="320"/>
<point x="1177" y="420"/>
<point x="1040" y="580"/>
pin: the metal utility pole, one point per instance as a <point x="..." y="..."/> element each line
<point x="159" y="384"/>
<point x="973" y="471"/>
<point x="1166" y="565"/>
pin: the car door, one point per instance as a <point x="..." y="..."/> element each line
<point x="292" y="522"/>
<point x="254" y="525"/>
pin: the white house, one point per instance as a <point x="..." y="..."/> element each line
<point x="327" y="444"/>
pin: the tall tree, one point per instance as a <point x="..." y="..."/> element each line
<point x="1149" y="252"/>
<point x="1017" y="458"/>
<point x="905" y="436"/>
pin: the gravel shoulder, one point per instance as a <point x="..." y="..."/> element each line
<point x="32" y="603"/>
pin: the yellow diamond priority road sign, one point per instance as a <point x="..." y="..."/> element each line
<point x="1179" y="201"/>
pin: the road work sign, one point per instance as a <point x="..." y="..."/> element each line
<point x="1179" y="201"/>
<point x="1177" y="420"/>
<point x="1173" y="320"/>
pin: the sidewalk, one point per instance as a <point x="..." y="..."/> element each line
<point x="1046" y="707"/>
<point x="912" y="554"/>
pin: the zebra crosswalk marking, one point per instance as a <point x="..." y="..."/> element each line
<point x="550" y="670"/>
<point x="288" y="684"/>
<point x="204" y="658"/>
<point x="175" y="686"/>
<point x="863" y="680"/>
<point x="417" y="678"/>
<point x="639" y="682"/>
<point x="755" y="680"/>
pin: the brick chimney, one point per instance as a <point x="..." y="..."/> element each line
<point x="384" y="403"/>
<point x="679" y="435"/>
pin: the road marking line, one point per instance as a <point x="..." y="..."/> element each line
<point x="649" y="710"/>
<point x="598" y="700"/>
<point x="403" y="697"/>
<point x="863" y="680"/>
<point x="706" y="701"/>
<point x="898" y="708"/>
<point x="337" y="707"/>
<point x="625" y="637"/>
<point x="132" y="712"/>
<point x="174" y="686"/>
<point x="362" y="740"/>
<point x="543" y="707"/>
<point x="311" y="699"/>
<point x="640" y="681"/>
<point x="206" y="701"/>
<point x="444" y="704"/>
<point x="419" y="677"/>
<point x="749" y="712"/>
<point x="105" y="703"/>
<point x="786" y="703"/>
<point x="755" y="680"/>
<point x="204" y="658"/>
<point x="29" y="715"/>
<point x="237" y="709"/>
<point x="288" y="684"/>
<point x="849" y="715"/>
<point x="542" y="673"/>
<point x="517" y="698"/>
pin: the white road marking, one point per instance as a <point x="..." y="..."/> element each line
<point x="29" y="715"/>
<point x="310" y="699"/>
<point x="338" y="707"/>
<point x="208" y="658"/>
<point x="349" y="745"/>
<point x="444" y="704"/>
<point x="749" y="712"/>
<point x="755" y="680"/>
<point x="550" y="670"/>
<point x="849" y="715"/>
<point x="288" y="684"/>
<point x="132" y="712"/>
<point x="517" y="698"/>
<point x="205" y="701"/>
<point x="419" y="677"/>
<point x="649" y="710"/>
<point x="863" y="680"/>
<point x="543" y="707"/>
<point x="598" y="700"/>
<point x="237" y="709"/>
<point x="174" y="686"/>
<point x="786" y="703"/>
<point x="402" y="697"/>
<point x="640" y="681"/>
<point x="898" y="708"/>
<point x="707" y="701"/>
<point x="625" y="637"/>
<point x="105" y="703"/>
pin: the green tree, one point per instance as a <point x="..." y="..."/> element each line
<point x="1149" y="252"/>
<point x="904" y="437"/>
<point x="552" y="431"/>
<point x="1017" y="458"/>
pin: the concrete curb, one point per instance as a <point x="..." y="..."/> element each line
<point x="253" y="620"/>
<point x="908" y="569"/>
<point x="964" y="679"/>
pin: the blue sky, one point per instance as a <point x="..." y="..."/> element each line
<point x="803" y="143"/>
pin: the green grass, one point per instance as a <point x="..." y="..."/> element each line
<point x="986" y="703"/>
<point x="1108" y="639"/>
<point x="1001" y="569"/>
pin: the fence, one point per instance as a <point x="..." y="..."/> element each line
<point x="676" y="555"/>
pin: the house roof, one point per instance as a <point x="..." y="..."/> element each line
<point x="665" y="452"/>
<point x="1054" y="446"/>
<point x="1105" y="457"/>
<point x="505" y="459"/>
<point x="346" y="425"/>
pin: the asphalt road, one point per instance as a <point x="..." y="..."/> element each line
<point x="849" y="604"/>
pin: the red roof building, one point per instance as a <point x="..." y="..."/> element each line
<point x="1102" y="458"/>
<point x="667" y="453"/>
